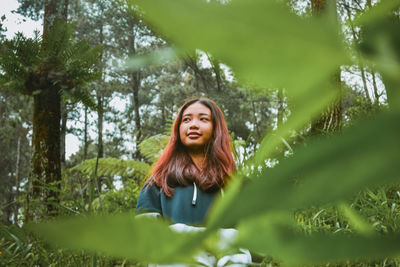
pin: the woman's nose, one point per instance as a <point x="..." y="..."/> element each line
<point x="194" y="124"/>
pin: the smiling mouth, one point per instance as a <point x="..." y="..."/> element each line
<point x="194" y="135"/>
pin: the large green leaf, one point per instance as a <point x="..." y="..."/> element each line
<point x="263" y="41"/>
<point x="275" y="235"/>
<point x="380" y="45"/>
<point x="327" y="170"/>
<point x="304" y="108"/>
<point x="156" y="57"/>
<point x="377" y="12"/>
<point x="141" y="239"/>
<point x="265" y="44"/>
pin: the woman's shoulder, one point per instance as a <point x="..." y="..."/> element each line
<point x="149" y="197"/>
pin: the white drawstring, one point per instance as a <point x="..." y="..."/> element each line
<point x="194" y="194"/>
<point x="194" y="200"/>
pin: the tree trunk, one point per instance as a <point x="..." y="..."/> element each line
<point x="64" y="117"/>
<point x="217" y="71"/>
<point x="256" y="126"/>
<point x="54" y="10"/>
<point x="8" y="210"/>
<point x="318" y="7"/>
<point x="135" y="78"/>
<point x="100" y="103"/>
<point x="100" y="119"/>
<point x="376" y="94"/>
<point x="191" y="61"/>
<point x="46" y="144"/>
<point x="364" y="80"/>
<point x="100" y="147"/>
<point x="85" y="135"/>
<point x="17" y="179"/>
<point x="360" y="65"/>
<point x="331" y="118"/>
<point x="46" y="167"/>
<point x="281" y="109"/>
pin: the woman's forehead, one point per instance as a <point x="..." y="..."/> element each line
<point x="197" y="108"/>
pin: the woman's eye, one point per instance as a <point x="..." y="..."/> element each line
<point x="185" y="119"/>
<point x="204" y="119"/>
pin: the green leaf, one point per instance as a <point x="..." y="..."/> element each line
<point x="82" y="97"/>
<point x="156" y="57"/>
<point x="153" y="146"/>
<point x="302" y="111"/>
<point x="18" y="58"/>
<point x="141" y="239"/>
<point x="255" y="38"/>
<point x="275" y="235"/>
<point x="265" y="44"/>
<point x="356" y="221"/>
<point x="378" y="11"/>
<point x="329" y="170"/>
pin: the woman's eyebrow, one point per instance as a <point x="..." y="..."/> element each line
<point x="201" y="114"/>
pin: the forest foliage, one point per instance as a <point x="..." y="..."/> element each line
<point x="296" y="197"/>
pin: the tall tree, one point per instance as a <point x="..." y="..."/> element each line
<point x="46" y="166"/>
<point x="135" y="79"/>
<point x="331" y="119"/>
<point x="44" y="68"/>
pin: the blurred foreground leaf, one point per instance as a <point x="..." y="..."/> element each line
<point x="329" y="170"/>
<point x="380" y="45"/>
<point x="140" y="239"/>
<point x="156" y="57"/>
<point x="265" y="44"/>
<point x="377" y="12"/>
<point x="262" y="41"/>
<point x="356" y="221"/>
<point x="274" y="235"/>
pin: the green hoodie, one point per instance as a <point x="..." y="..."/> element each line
<point x="188" y="205"/>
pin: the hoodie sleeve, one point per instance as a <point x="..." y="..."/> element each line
<point x="149" y="199"/>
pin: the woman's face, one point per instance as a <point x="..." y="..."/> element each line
<point x="196" y="127"/>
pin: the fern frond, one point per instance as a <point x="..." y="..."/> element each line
<point x="82" y="97"/>
<point x="76" y="60"/>
<point x="18" y="57"/>
<point x="168" y="126"/>
<point x="114" y="166"/>
<point x="57" y="41"/>
<point x="152" y="147"/>
<point x="80" y="61"/>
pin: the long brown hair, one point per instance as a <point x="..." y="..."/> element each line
<point x="176" y="168"/>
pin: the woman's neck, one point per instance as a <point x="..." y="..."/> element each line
<point x="198" y="157"/>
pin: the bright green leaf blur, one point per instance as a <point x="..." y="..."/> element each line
<point x="321" y="173"/>
<point x="275" y="234"/>
<point x="262" y="41"/>
<point x="143" y="239"/>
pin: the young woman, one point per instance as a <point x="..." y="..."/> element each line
<point x="194" y="167"/>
